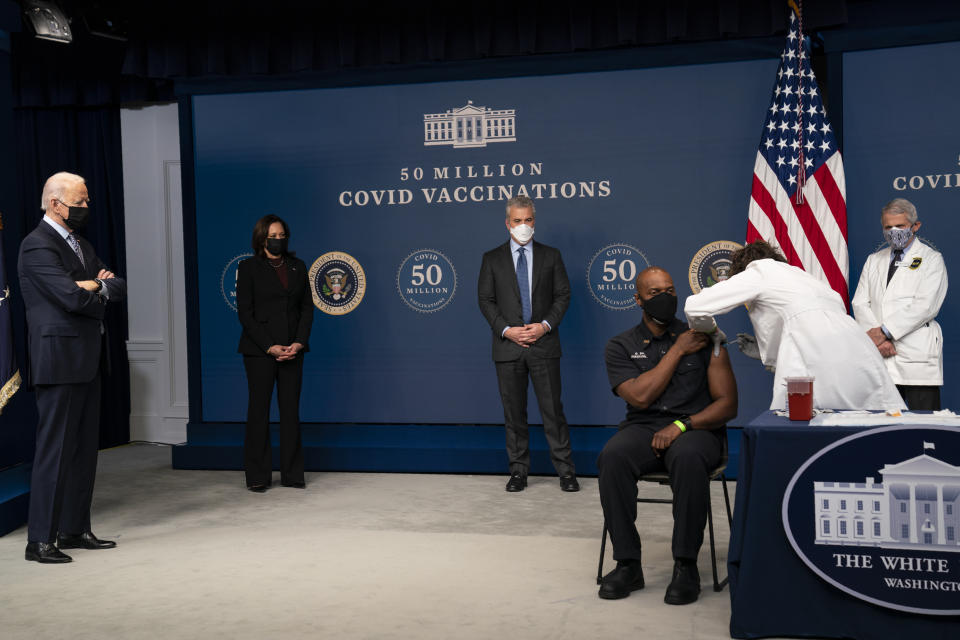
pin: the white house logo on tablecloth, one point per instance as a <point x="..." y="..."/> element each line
<point x="469" y="126"/>
<point x="228" y="280"/>
<point x="915" y="507"/>
<point x="895" y="543"/>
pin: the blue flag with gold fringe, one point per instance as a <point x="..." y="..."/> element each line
<point x="9" y="373"/>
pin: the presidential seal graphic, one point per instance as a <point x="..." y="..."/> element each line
<point x="337" y="282"/>
<point x="711" y="264"/>
<point x="228" y="280"/>
<point x="426" y="280"/>
<point x="611" y="275"/>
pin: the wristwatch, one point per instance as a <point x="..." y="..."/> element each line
<point x="686" y="423"/>
<point x="99" y="285"/>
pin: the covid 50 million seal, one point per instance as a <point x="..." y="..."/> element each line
<point x="711" y="264"/>
<point x="228" y="279"/>
<point x="426" y="280"/>
<point x="337" y="282"/>
<point x="611" y="275"/>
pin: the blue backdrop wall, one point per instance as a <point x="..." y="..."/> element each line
<point x="902" y="140"/>
<point x="628" y="168"/>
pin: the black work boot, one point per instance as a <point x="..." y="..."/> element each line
<point x="685" y="586"/>
<point x="619" y="583"/>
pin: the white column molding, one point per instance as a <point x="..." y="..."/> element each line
<point x="156" y="347"/>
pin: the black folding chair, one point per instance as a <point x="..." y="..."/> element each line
<point x="662" y="478"/>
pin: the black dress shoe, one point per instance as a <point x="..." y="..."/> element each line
<point x="84" y="540"/>
<point x="622" y="581"/>
<point x="295" y="485"/>
<point x="569" y="483"/>
<point x="258" y="488"/>
<point x="517" y="482"/>
<point x="46" y="553"/>
<point x="685" y="586"/>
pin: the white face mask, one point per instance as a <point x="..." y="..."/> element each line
<point x="522" y="233"/>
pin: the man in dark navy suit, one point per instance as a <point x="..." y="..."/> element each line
<point x="523" y="292"/>
<point x="65" y="290"/>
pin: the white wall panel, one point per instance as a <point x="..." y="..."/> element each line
<point x="157" y="347"/>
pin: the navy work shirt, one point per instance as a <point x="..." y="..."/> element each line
<point x="637" y="351"/>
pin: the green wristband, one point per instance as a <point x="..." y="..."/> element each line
<point x="683" y="427"/>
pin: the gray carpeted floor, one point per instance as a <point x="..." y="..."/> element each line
<point x="355" y="555"/>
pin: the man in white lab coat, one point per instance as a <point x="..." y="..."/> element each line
<point x="900" y="293"/>
<point x="802" y="329"/>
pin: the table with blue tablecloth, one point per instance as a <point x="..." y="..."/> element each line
<point x="772" y="592"/>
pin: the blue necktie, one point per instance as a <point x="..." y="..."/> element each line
<point x="524" y="284"/>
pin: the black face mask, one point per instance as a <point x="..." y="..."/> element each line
<point x="79" y="217"/>
<point x="661" y="308"/>
<point x="276" y="246"/>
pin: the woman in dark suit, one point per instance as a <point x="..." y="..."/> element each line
<point x="275" y="308"/>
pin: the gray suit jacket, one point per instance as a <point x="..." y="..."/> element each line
<point x="499" y="298"/>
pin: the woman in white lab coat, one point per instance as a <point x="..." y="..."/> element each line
<point x="802" y="329"/>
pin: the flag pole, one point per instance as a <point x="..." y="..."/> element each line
<point x="9" y="373"/>
<point x="810" y="231"/>
<point x="801" y="168"/>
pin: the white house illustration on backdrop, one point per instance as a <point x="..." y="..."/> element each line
<point x="917" y="506"/>
<point x="469" y="126"/>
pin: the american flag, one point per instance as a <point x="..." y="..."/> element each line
<point x="9" y="373"/>
<point x="798" y="152"/>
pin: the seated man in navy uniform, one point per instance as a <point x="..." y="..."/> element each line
<point x="680" y="392"/>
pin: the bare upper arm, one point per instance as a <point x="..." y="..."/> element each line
<point x="720" y="379"/>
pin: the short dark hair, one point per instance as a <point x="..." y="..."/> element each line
<point x="260" y="231"/>
<point x="756" y="250"/>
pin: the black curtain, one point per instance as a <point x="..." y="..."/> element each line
<point x="19" y="418"/>
<point x="85" y="142"/>
<point x="258" y="38"/>
<point x="188" y="39"/>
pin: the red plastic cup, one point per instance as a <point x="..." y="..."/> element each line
<point x="800" y="397"/>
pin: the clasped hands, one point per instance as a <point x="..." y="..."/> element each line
<point x="282" y="353"/>
<point x="526" y="335"/>
<point x="883" y="343"/>
<point x="91" y="285"/>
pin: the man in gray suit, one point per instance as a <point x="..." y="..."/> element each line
<point x="523" y="292"/>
